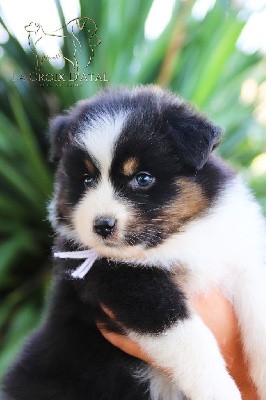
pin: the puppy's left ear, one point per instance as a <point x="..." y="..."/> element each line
<point x="59" y="136"/>
<point x="194" y="135"/>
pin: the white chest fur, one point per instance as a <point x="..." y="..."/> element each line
<point x="226" y="247"/>
<point x="228" y="240"/>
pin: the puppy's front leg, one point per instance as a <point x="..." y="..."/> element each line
<point x="190" y="353"/>
<point x="154" y="312"/>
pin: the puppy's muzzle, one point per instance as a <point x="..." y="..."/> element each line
<point x="104" y="226"/>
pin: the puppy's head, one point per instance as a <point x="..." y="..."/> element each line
<point x="128" y="167"/>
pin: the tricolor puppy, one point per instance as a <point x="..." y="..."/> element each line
<point x="137" y="185"/>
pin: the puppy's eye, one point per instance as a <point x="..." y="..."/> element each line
<point x="144" y="179"/>
<point x="88" y="180"/>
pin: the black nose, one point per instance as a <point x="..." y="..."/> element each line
<point x="104" y="226"/>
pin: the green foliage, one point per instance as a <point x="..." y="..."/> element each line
<point x="198" y="59"/>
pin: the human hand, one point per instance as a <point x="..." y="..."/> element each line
<point x="218" y="314"/>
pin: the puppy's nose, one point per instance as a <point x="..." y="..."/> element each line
<point x="104" y="226"/>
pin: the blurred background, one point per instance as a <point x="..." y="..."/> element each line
<point x="210" y="52"/>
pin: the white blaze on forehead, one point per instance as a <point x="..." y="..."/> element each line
<point x="99" y="136"/>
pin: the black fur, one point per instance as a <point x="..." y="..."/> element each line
<point x="74" y="164"/>
<point x="195" y="136"/>
<point x="67" y="358"/>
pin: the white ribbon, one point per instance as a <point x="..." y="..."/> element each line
<point x="90" y="255"/>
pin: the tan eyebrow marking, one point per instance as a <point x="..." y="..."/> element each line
<point x="130" y="166"/>
<point x="89" y="166"/>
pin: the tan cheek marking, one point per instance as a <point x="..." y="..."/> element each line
<point x="190" y="201"/>
<point x="130" y="166"/>
<point x="89" y="166"/>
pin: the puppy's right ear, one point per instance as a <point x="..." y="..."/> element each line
<point x="59" y="133"/>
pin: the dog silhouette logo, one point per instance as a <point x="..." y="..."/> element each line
<point x="39" y="39"/>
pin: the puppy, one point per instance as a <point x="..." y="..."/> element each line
<point x="137" y="183"/>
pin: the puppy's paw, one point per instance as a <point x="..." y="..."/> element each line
<point x="228" y="390"/>
<point x="224" y="389"/>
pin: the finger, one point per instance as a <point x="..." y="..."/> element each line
<point x="124" y="343"/>
<point x="108" y="312"/>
